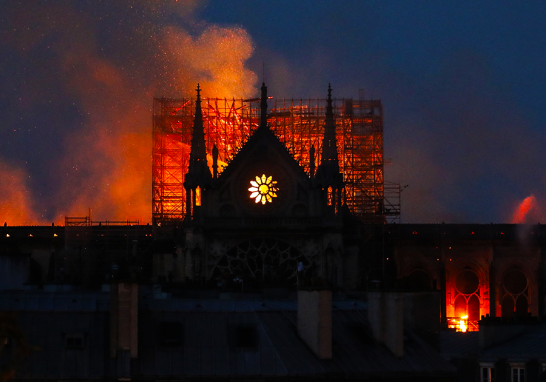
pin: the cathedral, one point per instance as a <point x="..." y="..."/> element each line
<point x="264" y="218"/>
<point x="268" y="262"/>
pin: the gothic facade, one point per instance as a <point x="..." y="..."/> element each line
<point x="263" y="218"/>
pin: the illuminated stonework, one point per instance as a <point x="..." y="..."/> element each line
<point x="263" y="189"/>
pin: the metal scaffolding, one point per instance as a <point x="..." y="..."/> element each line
<point x="298" y="124"/>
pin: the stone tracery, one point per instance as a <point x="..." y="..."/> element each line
<point x="261" y="259"/>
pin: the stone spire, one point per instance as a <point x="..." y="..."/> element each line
<point x="328" y="176"/>
<point x="329" y="141"/>
<point x="263" y="106"/>
<point x="198" y="170"/>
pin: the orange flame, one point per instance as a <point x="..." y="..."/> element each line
<point x="463" y="327"/>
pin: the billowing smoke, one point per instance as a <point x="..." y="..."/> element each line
<point x="16" y="202"/>
<point x="80" y="79"/>
<point x="215" y="59"/>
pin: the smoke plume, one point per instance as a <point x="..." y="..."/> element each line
<point x="85" y="75"/>
<point x="16" y="204"/>
<point x="527" y="212"/>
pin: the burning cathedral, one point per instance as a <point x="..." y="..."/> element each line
<point x="275" y="252"/>
<point x="264" y="218"/>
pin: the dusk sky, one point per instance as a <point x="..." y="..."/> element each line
<point x="463" y="87"/>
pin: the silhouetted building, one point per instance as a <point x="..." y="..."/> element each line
<point x="271" y="270"/>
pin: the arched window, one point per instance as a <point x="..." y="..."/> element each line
<point x="467" y="301"/>
<point x="267" y="260"/>
<point x="514" y="293"/>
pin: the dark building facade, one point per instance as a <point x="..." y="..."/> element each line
<point x="269" y="276"/>
<point x="264" y="216"/>
<point x="494" y="270"/>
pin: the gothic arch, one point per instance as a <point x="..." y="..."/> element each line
<point x="467" y="284"/>
<point x="453" y="271"/>
<point x="260" y="259"/>
<point x="515" y="264"/>
<point x="515" y="289"/>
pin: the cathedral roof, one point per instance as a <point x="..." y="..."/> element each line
<point x="263" y="136"/>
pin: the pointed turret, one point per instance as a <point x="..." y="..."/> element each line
<point x="263" y="106"/>
<point x="329" y="141"/>
<point x="198" y="176"/>
<point x="198" y="153"/>
<point x="327" y="175"/>
<point x="328" y="169"/>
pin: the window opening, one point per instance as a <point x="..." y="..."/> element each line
<point x="198" y="196"/>
<point x="467" y="302"/>
<point x="514" y="293"/>
<point x="487" y="374"/>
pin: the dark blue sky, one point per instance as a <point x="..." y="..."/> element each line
<point x="462" y="85"/>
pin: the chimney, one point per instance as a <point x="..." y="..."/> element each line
<point x="315" y="321"/>
<point x="124" y="325"/>
<point x="386" y="316"/>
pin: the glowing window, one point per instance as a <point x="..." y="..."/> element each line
<point x="198" y="196"/>
<point x="263" y="189"/>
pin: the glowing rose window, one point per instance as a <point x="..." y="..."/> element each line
<point x="263" y="189"/>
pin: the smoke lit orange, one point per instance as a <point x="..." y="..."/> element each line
<point x="15" y="202"/>
<point x="106" y="161"/>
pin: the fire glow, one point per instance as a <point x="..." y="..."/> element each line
<point x="298" y="124"/>
<point x="524" y="208"/>
<point x="104" y="164"/>
<point x="461" y="324"/>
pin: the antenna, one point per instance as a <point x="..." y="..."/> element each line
<point x="263" y="72"/>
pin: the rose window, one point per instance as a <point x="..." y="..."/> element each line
<point x="263" y="189"/>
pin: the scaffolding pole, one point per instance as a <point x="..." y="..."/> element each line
<point x="299" y="124"/>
